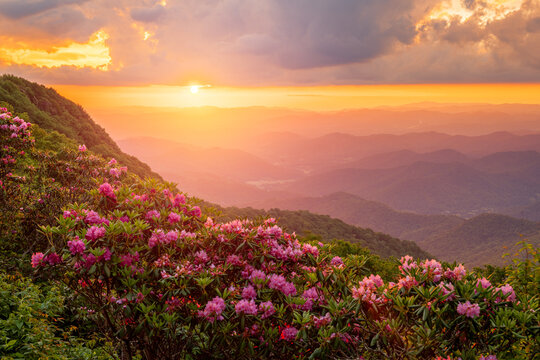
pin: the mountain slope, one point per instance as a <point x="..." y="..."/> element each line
<point x="477" y="241"/>
<point x="52" y="111"/>
<point x="428" y="188"/>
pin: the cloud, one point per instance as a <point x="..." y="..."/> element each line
<point x="17" y="9"/>
<point x="152" y="14"/>
<point x="283" y="42"/>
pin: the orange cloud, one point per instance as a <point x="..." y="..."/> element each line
<point x="92" y="54"/>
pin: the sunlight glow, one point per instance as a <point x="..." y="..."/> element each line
<point x="194" y="89"/>
<point x="490" y="10"/>
<point x="94" y="54"/>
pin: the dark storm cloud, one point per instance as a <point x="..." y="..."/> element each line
<point x="315" y="33"/>
<point x="17" y="9"/>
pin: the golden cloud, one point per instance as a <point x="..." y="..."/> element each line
<point x="92" y="54"/>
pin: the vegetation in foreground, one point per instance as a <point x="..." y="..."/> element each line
<point x="161" y="279"/>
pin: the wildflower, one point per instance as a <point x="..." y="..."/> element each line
<point x="249" y="292"/>
<point x="319" y="321"/>
<point x="53" y="259"/>
<point x="468" y="309"/>
<point x="483" y="282"/>
<point x="407" y="282"/>
<point x="213" y="309"/>
<point x="508" y="291"/>
<point x="247" y="307"/>
<point x="106" y="189"/>
<point x="82" y="148"/>
<point x="173" y="217"/>
<point x="336" y="261"/>
<point x="201" y="256"/>
<point x="152" y="214"/>
<point x="95" y="233"/>
<point x="267" y="309"/>
<point x="76" y="246"/>
<point x="37" y="259"/>
<point x="289" y="334"/>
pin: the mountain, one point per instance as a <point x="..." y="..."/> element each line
<point x="232" y="164"/>
<point x="477" y="241"/>
<point x="408" y="157"/>
<point x="46" y="108"/>
<point x="428" y="188"/>
<point x="338" y="150"/>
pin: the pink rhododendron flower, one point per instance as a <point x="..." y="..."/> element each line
<point x="152" y="214"/>
<point x="310" y="249"/>
<point x="95" y="233"/>
<point x="173" y="218"/>
<point x="82" y="148"/>
<point x="106" y="189"/>
<point x="508" y="291"/>
<point x="267" y="309"/>
<point x="233" y="260"/>
<point x="278" y="282"/>
<point x="53" y="259"/>
<point x="201" y="257"/>
<point x="37" y="259"/>
<point x="76" y="246"/>
<point x="249" y="292"/>
<point x="407" y="263"/>
<point x="171" y="237"/>
<point x="213" y="309"/>
<point x="336" y="261"/>
<point x="112" y="161"/>
<point x="433" y="269"/>
<point x="289" y="334"/>
<point x="114" y="172"/>
<point x="483" y="282"/>
<point x="407" y="282"/>
<point x="179" y="200"/>
<point x="247" y="307"/>
<point x="322" y="320"/>
<point x="468" y="309"/>
<point x="448" y="288"/>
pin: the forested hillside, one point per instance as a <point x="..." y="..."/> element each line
<point x="52" y="111"/>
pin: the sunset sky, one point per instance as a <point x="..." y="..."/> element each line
<point x="313" y="54"/>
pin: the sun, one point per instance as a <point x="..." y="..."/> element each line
<point x="194" y="89"/>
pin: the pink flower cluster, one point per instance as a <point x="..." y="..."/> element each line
<point x="106" y="190"/>
<point x="278" y="282"/>
<point x="367" y="289"/>
<point x="95" y="233"/>
<point x="76" y="246"/>
<point x="289" y="333"/>
<point x="247" y="307"/>
<point x="213" y="309"/>
<point x="468" y="309"/>
<point x="267" y="309"/>
<point x="507" y="291"/>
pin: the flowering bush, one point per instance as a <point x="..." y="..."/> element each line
<point x="166" y="281"/>
<point x="163" y="280"/>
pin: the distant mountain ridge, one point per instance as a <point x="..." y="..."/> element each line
<point x="476" y="241"/>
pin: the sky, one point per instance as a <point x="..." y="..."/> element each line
<point x="227" y="49"/>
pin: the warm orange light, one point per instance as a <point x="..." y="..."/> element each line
<point x="318" y="98"/>
<point x="94" y="54"/>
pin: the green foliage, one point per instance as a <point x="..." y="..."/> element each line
<point x="53" y="112"/>
<point x="31" y="326"/>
